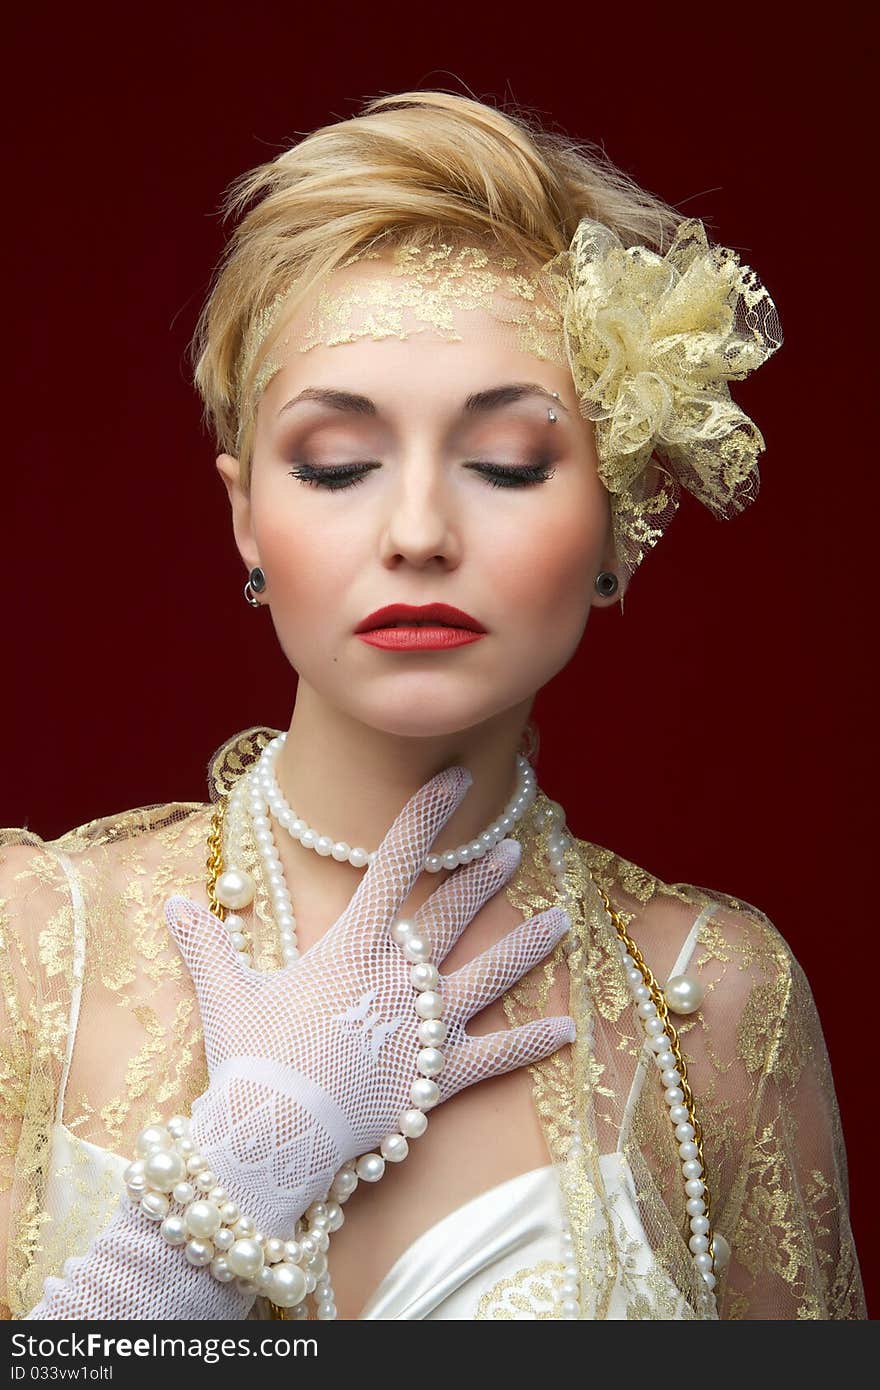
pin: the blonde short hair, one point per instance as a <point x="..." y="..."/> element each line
<point x="409" y="165"/>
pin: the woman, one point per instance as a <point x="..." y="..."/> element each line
<point x="517" y="358"/>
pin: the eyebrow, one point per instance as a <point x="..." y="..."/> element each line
<point x="481" y="401"/>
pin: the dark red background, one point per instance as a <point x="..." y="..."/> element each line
<point x="718" y="732"/>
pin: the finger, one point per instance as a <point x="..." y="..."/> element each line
<point x="485" y="978"/>
<point x="206" y="947"/>
<point x="444" y="916"/>
<point x="475" y="1059"/>
<point x="401" y="856"/>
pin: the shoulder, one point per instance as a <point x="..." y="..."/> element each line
<point x="50" y="886"/>
<point x="24" y="853"/>
<point x="728" y="924"/>
<point x="748" y="968"/>
<point x="34" y="897"/>
<point x="148" y="834"/>
<point x="110" y="876"/>
<point x="28" y="867"/>
<point x="761" y="1079"/>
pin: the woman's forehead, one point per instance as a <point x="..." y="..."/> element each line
<point x="464" y="297"/>
<point x="423" y="373"/>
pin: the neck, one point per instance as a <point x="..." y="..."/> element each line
<point x="351" y="781"/>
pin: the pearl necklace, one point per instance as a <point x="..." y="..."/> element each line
<point x="235" y="889"/>
<point x="260" y="789"/>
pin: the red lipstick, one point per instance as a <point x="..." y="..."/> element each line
<point x="430" y="627"/>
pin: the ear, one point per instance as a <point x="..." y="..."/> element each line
<point x="229" y="469"/>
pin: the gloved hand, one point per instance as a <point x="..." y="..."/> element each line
<point x="314" y="1064"/>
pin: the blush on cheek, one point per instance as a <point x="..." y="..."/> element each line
<point x="288" y="550"/>
<point x="310" y="581"/>
<point x="555" y="570"/>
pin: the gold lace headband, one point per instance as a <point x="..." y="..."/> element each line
<point x="651" y="342"/>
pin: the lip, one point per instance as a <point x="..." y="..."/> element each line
<point x="445" y="615"/>
<point x="419" y="639"/>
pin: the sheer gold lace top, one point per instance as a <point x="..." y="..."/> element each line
<point x="81" y="918"/>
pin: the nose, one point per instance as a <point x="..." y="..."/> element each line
<point x="421" y="522"/>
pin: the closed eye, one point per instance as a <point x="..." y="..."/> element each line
<point x="337" y="476"/>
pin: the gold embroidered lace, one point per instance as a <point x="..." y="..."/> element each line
<point x="86" y="909"/>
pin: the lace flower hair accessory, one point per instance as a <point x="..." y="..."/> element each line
<point x="651" y="342"/>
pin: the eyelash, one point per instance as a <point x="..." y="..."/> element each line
<point x="340" y="476"/>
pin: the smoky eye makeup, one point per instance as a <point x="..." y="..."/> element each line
<point x="518" y="452"/>
<point x="335" y="477"/>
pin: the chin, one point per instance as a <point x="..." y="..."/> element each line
<point x="423" y="720"/>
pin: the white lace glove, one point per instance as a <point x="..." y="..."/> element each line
<point x="129" y="1272"/>
<point x="314" y="1064"/>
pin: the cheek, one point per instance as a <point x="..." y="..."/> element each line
<point x="549" y="576"/>
<point x="308" y="567"/>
